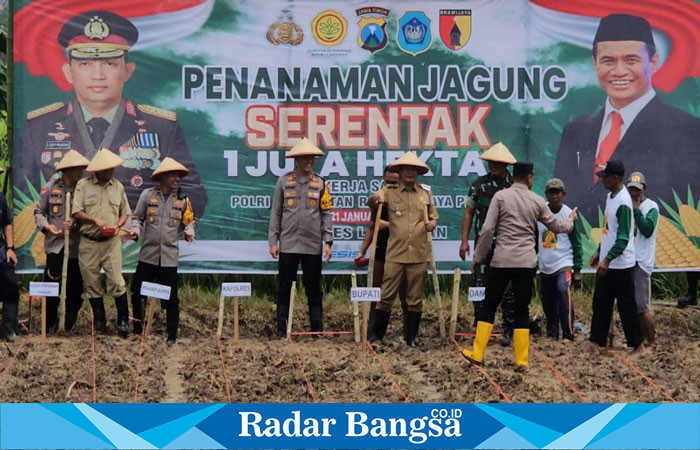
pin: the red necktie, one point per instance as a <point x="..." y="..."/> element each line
<point x="608" y="144"/>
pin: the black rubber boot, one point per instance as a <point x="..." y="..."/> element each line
<point x="507" y="337"/>
<point x="316" y="317"/>
<point x="282" y="315"/>
<point x="98" y="313"/>
<point x="380" y="320"/>
<point x="122" y="303"/>
<point x="137" y="312"/>
<point x="411" y="331"/>
<point x="10" y="312"/>
<point x="688" y="300"/>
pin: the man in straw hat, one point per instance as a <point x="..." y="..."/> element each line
<point x="514" y="212"/>
<point x="408" y="250"/>
<point x="101" y="206"/>
<point x="479" y="198"/>
<point x="158" y="217"/>
<point x="97" y="45"/>
<point x="300" y="229"/>
<point x="9" y="287"/>
<point x="50" y="218"/>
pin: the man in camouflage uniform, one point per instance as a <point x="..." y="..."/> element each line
<point x="96" y="45"/>
<point x="158" y="217"/>
<point x="479" y="198"/>
<point x="300" y="229"/>
<point x="50" y="218"/>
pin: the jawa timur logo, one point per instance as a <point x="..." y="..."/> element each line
<point x="372" y="35"/>
<point x="285" y="31"/>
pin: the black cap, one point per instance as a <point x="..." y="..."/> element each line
<point x="624" y="27"/>
<point x="613" y="167"/>
<point x="523" y="169"/>
<point x="97" y="34"/>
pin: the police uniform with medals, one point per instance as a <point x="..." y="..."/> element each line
<point x="142" y="135"/>
<point x="408" y="251"/>
<point x="51" y="210"/>
<point x="301" y="223"/>
<point x="158" y="219"/>
<point x="479" y="198"/>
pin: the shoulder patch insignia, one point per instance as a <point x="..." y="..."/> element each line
<point x="158" y="112"/>
<point x="426" y="187"/>
<point x="44" y="110"/>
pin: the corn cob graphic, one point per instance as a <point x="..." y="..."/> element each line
<point x="690" y="219"/>
<point x="673" y="248"/>
<point x="24" y="226"/>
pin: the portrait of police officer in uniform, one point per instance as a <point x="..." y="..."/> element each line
<point x="97" y="45"/>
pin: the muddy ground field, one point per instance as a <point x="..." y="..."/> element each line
<point x="261" y="368"/>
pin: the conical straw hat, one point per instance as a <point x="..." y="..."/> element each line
<point x="72" y="159"/>
<point x="169" y="165"/>
<point x="410" y="159"/>
<point x="104" y="160"/>
<point x="498" y="153"/>
<point x="304" y="148"/>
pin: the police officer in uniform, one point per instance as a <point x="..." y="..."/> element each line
<point x="479" y="198"/>
<point x="96" y="45"/>
<point x="300" y="227"/>
<point x="101" y="207"/>
<point x="408" y="250"/>
<point x="158" y="217"/>
<point x="9" y="287"/>
<point x="50" y="218"/>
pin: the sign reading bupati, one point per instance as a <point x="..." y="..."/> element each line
<point x="359" y="294"/>
<point x="228" y="93"/>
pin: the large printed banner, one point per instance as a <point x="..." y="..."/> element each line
<point x="227" y="87"/>
<point x="259" y="425"/>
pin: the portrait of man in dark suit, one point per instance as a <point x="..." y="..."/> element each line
<point x="634" y="125"/>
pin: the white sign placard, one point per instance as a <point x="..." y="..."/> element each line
<point x="360" y="294"/>
<point x="154" y="290"/>
<point x="236" y="289"/>
<point x="43" y="289"/>
<point x="477" y="294"/>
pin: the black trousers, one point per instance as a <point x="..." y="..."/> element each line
<point x="616" y="284"/>
<point x="481" y="276"/>
<point x="161" y="275"/>
<point x="9" y="286"/>
<point x="692" y="278"/>
<point x="311" y="274"/>
<point x="522" y="280"/>
<point x="74" y="289"/>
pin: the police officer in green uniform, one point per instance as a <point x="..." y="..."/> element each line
<point x="50" y="218"/>
<point x="96" y="44"/>
<point x="479" y="198"/>
<point x="301" y="229"/>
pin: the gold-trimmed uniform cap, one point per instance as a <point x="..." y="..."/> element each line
<point x="498" y="153"/>
<point x="409" y="159"/>
<point x="72" y="159"/>
<point x="97" y="34"/>
<point x="304" y="148"/>
<point x="104" y="160"/>
<point x="169" y="165"/>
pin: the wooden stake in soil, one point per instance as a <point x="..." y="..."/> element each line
<point x="220" y="327"/>
<point x="455" y="301"/>
<point x="235" y="320"/>
<point x="291" y="310"/>
<point x="355" y="309"/>
<point x="370" y="272"/>
<point x="43" y="320"/>
<point x="64" y="271"/>
<point x="436" y="284"/>
<point x="151" y="312"/>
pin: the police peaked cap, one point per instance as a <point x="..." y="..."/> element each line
<point x="98" y="34"/>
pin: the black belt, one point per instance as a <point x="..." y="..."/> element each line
<point x="96" y="238"/>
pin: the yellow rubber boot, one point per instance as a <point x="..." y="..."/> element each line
<point x="481" y="340"/>
<point x="521" y="342"/>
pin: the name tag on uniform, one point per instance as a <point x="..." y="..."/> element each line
<point x="477" y="294"/>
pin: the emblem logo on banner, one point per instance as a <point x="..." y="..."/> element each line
<point x="455" y="27"/>
<point x="372" y="35"/>
<point x="413" y="35"/>
<point x="329" y="28"/>
<point x="284" y="30"/>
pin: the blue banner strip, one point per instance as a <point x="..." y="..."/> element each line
<point x="344" y="426"/>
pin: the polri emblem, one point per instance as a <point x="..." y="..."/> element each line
<point x="284" y="30"/>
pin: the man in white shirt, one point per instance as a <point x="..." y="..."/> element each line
<point x="646" y="219"/>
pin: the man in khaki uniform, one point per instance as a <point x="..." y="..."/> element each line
<point x="300" y="227"/>
<point x="101" y="206"/>
<point x="50" y="218"/>
<point x="408" y="250"/>
<point x="158" y="217"/>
